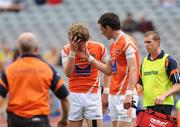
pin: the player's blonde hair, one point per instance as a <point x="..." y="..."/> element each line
<point x="78" y="28"/>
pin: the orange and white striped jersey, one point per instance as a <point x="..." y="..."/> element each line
<point x="121" y="49"/>
<point x="85" y="77"/>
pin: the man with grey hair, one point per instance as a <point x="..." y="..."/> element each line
<point x="28" y="80"/>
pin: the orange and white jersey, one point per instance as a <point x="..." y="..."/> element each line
<point x="121" y="49"/>
<point x="85" y="76"/>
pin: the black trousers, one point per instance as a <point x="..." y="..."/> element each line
<point x="36" y="121"/>
<point x="165" y="109"/>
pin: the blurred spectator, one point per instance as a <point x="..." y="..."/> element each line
<point x="5" y="55"/>
<point x="52" y="56"/>
<point x="40" y="2"/>
<point x="15" y="54"/>
<point x="60" y="60"/>
<point x="129" y="25"/>
<point x="145" y="25"/>
<point x="168" y="3"/>
<point x="54" y="2"/>
<point x="55" y="105"/>
<point x="12" y="5"/>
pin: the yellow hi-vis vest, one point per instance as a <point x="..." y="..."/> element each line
<point x="178" y="105"/>
<point x="155" y="81"/>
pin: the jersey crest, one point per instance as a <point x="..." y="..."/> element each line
<point x="85" y="71"/>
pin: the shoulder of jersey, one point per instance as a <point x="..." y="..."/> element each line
<point x="95" y="43"/>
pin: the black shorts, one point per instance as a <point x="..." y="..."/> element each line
<point x="36" y="121"/>
<point x="165" y="109"/>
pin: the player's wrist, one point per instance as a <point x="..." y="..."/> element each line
<point x="72" y="55"/>
<point x="62" y="123"/>
<point x="129" y="92"/>
<point x="106" y="91"/>
<point x="90" y="58"/>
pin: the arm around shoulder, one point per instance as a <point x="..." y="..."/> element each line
<point x="105" y="68"/>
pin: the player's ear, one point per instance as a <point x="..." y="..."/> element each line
<point x="158" y="41"/>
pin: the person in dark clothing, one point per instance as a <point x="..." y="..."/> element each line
<point x="145" y="25"/>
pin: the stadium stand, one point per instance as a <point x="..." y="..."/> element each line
<point x="51" y="22"/>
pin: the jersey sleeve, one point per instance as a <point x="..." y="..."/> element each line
<point x="129" y="49"/>
<point x="57" y="86"/>
<point x="172" y="70"/>
<point x="130" y="52"/>
<point x="105" y="56"/>
<point x="64" y="54"/>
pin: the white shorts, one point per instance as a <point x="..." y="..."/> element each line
<point x="116" y="108"/>
<point x="85" y="105"/>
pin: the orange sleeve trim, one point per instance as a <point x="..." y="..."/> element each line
<point x="103" y="50"/>
<point x="66" y="49"/>
<point x="128" y="46"/>
<point x="134" y="46"/>
<point x="2" y="83"/>
<point x="59" y="84"/>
